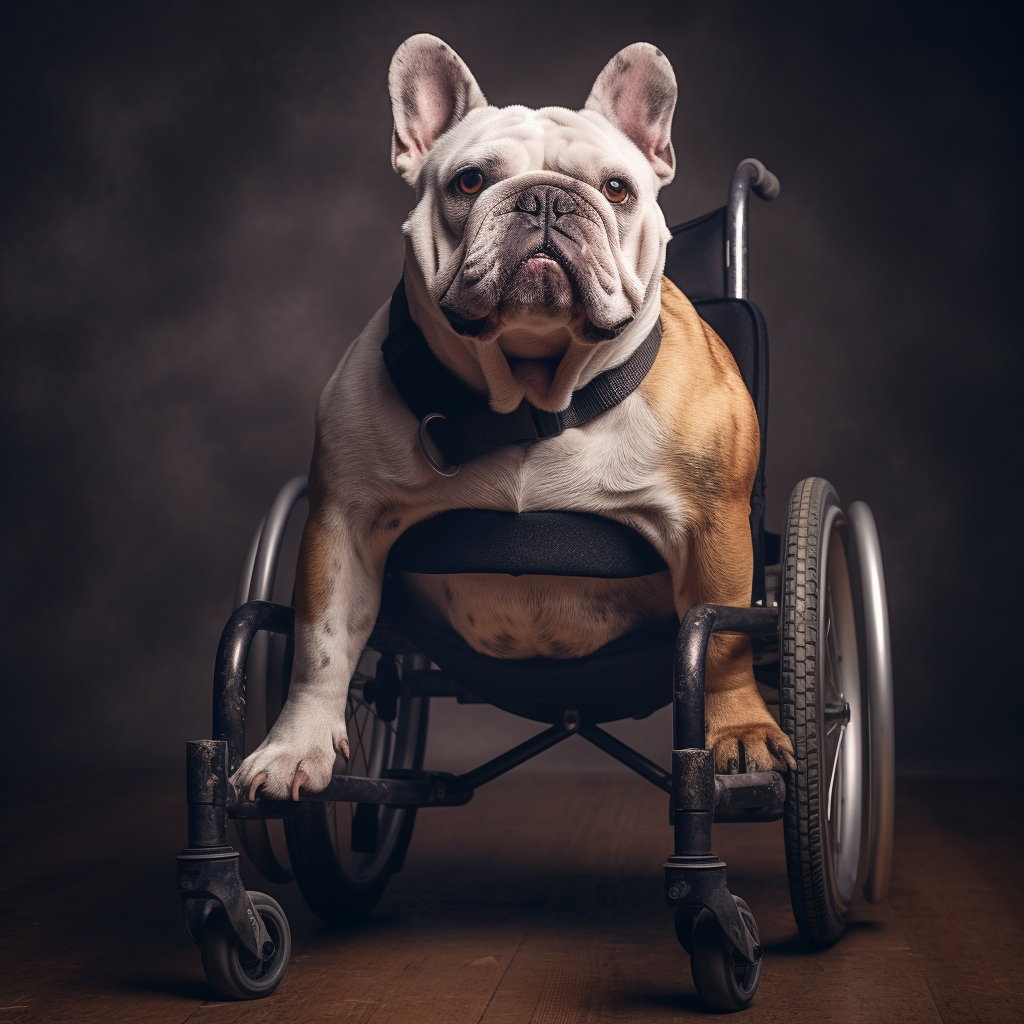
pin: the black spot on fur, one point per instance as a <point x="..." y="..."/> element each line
<point x="504" y="645"/>
<point x="470" y="618"/>
<point x="325" y="661"/>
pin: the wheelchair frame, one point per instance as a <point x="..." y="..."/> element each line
<point x="695" y="879"/>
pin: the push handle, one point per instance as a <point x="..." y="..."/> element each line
<point x="750" y="175"/>
<point x="763" y="183"/>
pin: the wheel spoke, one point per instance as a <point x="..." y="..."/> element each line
<point x="362" y="703"/>
<point x="832" y="776"/>
<point x="375" y="746"/>
<point x="355" y="751"/>
<point x="832" y="675"/>
<point x="833" y="685"/>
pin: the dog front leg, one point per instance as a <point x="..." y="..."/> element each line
<point x="739" y="727"/>
<point x="337" y="596"/>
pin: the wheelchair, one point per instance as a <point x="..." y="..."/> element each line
<point x="819" y="628"/>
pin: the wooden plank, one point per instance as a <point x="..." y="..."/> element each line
<point x="603" y="949"/>
<point x="541" y="901"/>
<point x="957" y="895"/>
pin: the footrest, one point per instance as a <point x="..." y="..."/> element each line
<point x="753" y="796"/>
<point x="412" y="789"/>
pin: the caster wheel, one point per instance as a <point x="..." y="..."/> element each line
<point x="685" y="919"/>
<point x="230" y="968"/>
<point x="724" y="983"/>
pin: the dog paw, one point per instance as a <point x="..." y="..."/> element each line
<point x="756" y="744"/>
<point x="298" y="753"/>
<point x="758" y="748"/>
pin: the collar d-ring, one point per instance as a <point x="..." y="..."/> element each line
<point x="434" y="465"/>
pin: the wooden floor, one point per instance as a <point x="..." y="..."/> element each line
<point x="538" y="903"/>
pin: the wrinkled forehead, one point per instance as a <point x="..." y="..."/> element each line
<point x="505" y="141"/>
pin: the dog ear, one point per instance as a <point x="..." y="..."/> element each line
<point x="636" y="91"/>
<point x="431" y="90"/>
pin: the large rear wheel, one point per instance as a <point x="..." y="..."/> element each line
<point x="269" y="662"/>
<point x="876" y="668"/>
<point x="822" y="710"/>
<point x="343" y="854"/>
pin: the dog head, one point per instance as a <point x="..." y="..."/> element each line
<point x="536" y="245"/>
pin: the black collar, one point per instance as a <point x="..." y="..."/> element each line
<point x="459" y="420"/>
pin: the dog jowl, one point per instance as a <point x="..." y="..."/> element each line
<point x="534" y="259"/>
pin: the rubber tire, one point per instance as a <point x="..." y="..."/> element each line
<point x="817" y="916"/>
<point x="332" y="896"/>
<point x="328" y="892"/>
<point x="684" y="920"/>
<point x="722" y="983"/>
<point x="224" y="956"/>
<point x="264" y="666"/>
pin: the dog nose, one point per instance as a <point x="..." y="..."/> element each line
<point x="547" y="199"/>
<point x="562" y="203"/>
<point x="528" y="201"/>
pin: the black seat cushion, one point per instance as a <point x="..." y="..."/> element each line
<point x="739" y="323"/>
<point x="519" y="543"/>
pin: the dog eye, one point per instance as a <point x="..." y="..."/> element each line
<point x="615" y="190"/>
<point x="471" y="181"/>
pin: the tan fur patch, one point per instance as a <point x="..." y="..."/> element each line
<point x="697" y="393"/>
<point x="315" y="568"/>
<point x="313" y="573"/>
<point x="699" y="397"/>
<point x="541" y="616"/>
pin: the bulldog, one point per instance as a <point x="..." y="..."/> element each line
<point x="534" y="260"/>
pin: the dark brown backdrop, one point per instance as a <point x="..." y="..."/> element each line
<point x="199" y="215"/>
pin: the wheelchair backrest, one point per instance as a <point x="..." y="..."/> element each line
<point x="696" y="263"/>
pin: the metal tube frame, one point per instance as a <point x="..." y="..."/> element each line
<point x="750" y="176"/>
<point x="256" y="583"/>
<point x="208" y="869"/>
<point x="695" y="878"/>
<point x="693" y="770"/>
<point x="738" y="793"/>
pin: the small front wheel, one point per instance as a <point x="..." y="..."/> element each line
<point x="724" y="982"/>
<point x="230" y="968"/>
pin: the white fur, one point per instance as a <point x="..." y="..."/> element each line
<point x="368" y="457"/>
